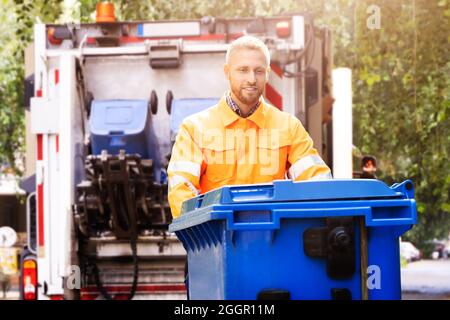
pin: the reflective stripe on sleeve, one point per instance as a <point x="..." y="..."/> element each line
<point x="304" y="164"/>
<point x="185" y="166"/>
<point x="176" y="180"/>
<point x="323" y="176"/>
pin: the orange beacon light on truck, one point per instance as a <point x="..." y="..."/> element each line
<point x="105" y="12"/>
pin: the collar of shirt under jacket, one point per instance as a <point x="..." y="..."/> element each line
<point x="233" y="105"/>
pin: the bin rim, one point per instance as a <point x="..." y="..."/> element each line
<point x="216" y="205"/>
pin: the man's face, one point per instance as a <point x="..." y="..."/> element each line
<point x="369" y="166"/>
<point x="247" y="71"/>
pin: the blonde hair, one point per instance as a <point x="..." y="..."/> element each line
<point x="248" y="42"/>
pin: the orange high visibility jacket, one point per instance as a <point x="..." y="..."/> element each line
<point x="217" y="147"/>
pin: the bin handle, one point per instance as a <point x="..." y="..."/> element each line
<point x="266" y="225"/>
<point x="248" y="226"/>
<point x="277" y="214"/>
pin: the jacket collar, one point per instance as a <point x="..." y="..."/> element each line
<point x="228" y="116"/>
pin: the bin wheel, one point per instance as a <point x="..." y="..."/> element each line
<point x="153" y="104"/>
<point x="169" y="99"/>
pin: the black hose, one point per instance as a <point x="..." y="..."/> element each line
<point x="133" y="243"/>
<point x="310" y="44"/>
<point x="99" y="283"/>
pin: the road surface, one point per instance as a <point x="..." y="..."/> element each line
<point x="426" y="279"/>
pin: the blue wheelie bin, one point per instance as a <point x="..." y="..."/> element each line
<point x="120" y="124"/>
<point x="333" y="239"/>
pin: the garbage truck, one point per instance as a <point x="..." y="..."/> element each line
<point x="105" y="101"/>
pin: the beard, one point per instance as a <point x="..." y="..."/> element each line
<point x="248" y="97"/>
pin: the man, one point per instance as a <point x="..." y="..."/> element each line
<point x="242" y="139"/>
<point x="369" y="167"/>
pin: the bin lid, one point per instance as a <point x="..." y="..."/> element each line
<point x="289" y="191"/>
<point x="355" y="195"/>
<point x="118" y="116"/>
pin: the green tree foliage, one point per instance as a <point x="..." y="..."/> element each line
<point x="16" y="21"/>
<point x="401" y="78"/>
